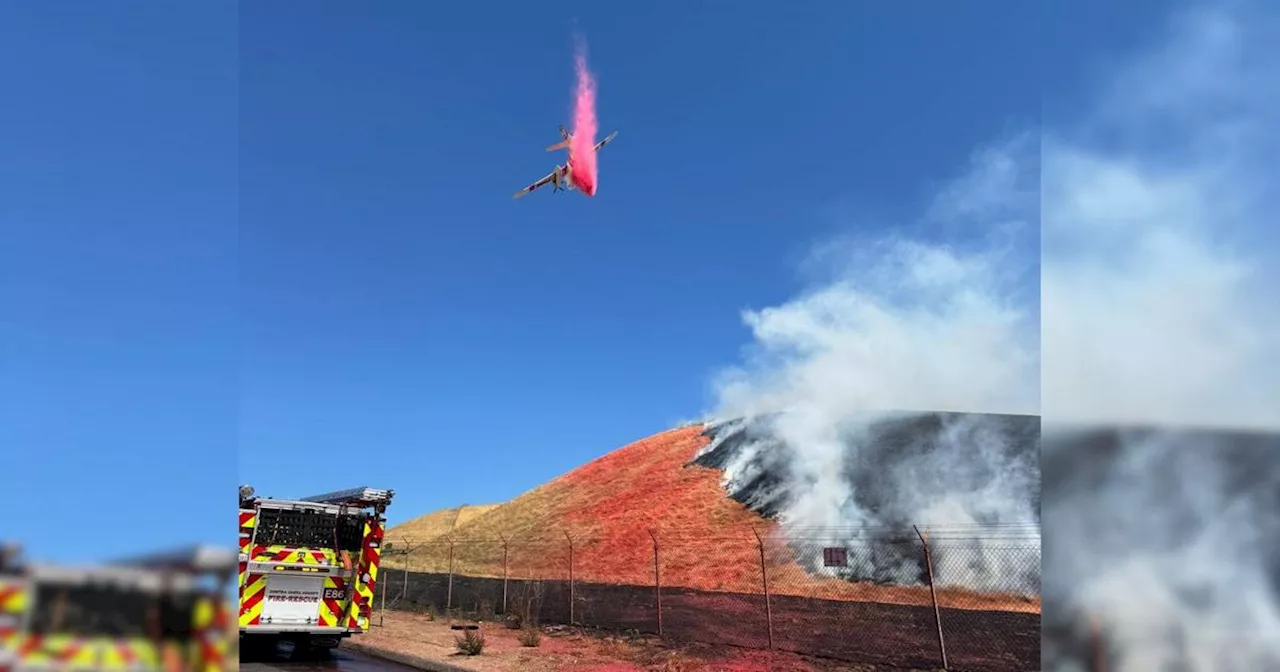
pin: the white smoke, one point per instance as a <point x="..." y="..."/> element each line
<point x="1158" y="290"/>
<point x="938" y="314"/>
<point x="1159" y="300"/>
<point x="905" y="325"/>
<point x="909" y="323"/>
<point x="1159" y="308"/>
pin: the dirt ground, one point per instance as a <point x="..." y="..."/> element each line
<point x="570" y="650"/>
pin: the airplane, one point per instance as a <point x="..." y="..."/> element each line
<point x="561" y="177"/>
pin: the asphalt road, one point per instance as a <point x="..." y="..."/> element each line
<point x="337" y="660"/>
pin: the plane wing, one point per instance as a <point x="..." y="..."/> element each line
<point x="606" y="141"/>
<point x="536" y="185"/>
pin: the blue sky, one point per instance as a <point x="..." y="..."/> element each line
<point x="118" y="181"/>
<point x="402" y="311"/>
<point x="280" y="248"/>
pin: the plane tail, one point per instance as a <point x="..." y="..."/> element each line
<point x="565" y="139"/>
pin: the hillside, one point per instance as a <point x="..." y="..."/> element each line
<point x="608" y="507"/>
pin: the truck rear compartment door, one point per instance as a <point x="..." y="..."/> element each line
<point x="292" y="600"/>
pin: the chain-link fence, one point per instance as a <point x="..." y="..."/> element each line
<point x="960" y="599"/>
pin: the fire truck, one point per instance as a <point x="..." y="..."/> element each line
<point x="160" y="612"/>
<point x="13" y="603"/>
<point x="308" y="566"/>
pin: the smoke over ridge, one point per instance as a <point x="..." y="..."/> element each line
<point x="903" y="388"/>
<point x="888" y="470"/>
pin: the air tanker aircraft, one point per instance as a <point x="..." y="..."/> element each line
<point x="561" y="178"/>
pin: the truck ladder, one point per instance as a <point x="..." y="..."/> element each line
<point x="360" y="497"/>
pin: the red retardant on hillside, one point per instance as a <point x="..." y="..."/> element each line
<point x="609" y="506"/>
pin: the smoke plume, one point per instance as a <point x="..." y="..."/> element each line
<point x="582" y="146"/>
<point x="841" y="386"/>
<point x="973" y="475"/>
<point x="1161" y="437"/>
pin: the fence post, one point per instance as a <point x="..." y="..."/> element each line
<point x="657" y="581"/>
<point x="404" y="587"/>
<point x="504" y="572"/>
<point x="448" y="604"/>
<point x="382" y="612"/>
<point x="764" y="578"/>
<point x="570" y="540"/>
<point x="937" y="615"/>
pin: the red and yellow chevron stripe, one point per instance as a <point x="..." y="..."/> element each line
<point x="67" y="651"/>
<point x="290" y="554"/>
<point x="13" y="603"/>
<point x="62" y="651"/>
<point x="210" y="642"/>
<point x="251" y="594"/>
<point x="13" y="596"/>
<point x="331" y="608"/>
<point x="370" y="559"/>
<point x="127" y="653"/>
<point x="248" y="522"/>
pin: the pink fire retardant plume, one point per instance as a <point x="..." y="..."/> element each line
<point x="582" y="147"/>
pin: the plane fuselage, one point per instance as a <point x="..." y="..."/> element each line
<point x="564" y="177"/>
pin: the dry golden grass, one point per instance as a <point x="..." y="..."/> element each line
<point x="437" y="523"/>
<point x="466" y="514"/>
